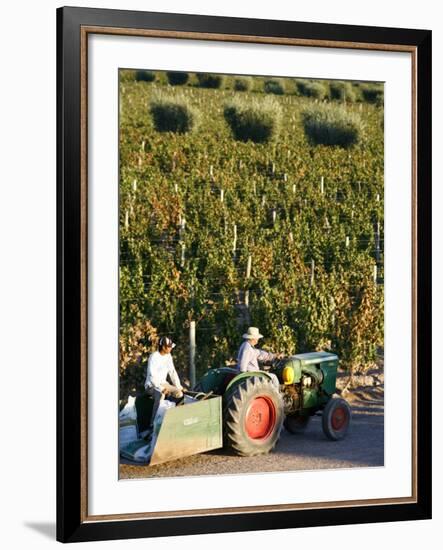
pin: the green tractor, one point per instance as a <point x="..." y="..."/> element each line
<point x="255" y="407"/>
<point x="244" y="411"/>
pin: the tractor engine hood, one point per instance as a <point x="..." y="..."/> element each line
<point x="312" y="364"/>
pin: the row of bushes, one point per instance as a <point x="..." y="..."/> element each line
<point x="334" y="90"/>
<point x="259" y="121"/>
<point x="179" y="78"/>
<point x="341" y="91"/>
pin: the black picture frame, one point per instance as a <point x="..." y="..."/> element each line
<point x="73" y="524"/>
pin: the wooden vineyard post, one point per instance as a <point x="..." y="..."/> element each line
<point x="248" y="275"/>
<point x="375" y="273"/>
<point x="192" y="348"/>
<point x="182" y="227"/>
<point x="312" y="271"/>
<point x="377" y="242"/>
<point x="234" y="241"/>
<point x="322" y="185"/>
<point x="222" y="195"/>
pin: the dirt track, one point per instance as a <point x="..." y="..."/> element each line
<point x="363" y="447"/>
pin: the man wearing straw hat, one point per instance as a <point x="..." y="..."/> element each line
<point x="249" y="356"/>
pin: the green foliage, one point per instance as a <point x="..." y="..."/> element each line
<point x="373" y="93"/>
<point x="242" y="84"/>
<point x="314" y="89"/>
<point x="273" y="87"/>
<point x="342" y="91"/>
<point x="173" y="114"/>
<point x="331" y="125"/>
<point x="137" y="341"/>
<point x="177" y="78"/>
<point x="359" y="322"/>
<point x="207" y="80"/>
<point x="144" y="76"/>
<point x="165" y="177"/>
<point x="253" y="120"/>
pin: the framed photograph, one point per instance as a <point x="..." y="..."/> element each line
<point x="244" y="274"/>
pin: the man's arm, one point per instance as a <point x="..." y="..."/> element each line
<point x="265" y="355"/>
<point x="174" y="376"/>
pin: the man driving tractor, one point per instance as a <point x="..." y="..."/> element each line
<point x="249" y="356"/>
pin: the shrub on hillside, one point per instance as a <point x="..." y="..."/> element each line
<point x="257" y="121"/>
<point x="144" y="76"/>
<point x="177" y="78"/>
<point x="373" y="93"/>
<point x="309" y="88"/>
<point x="331" y="125"/>
<point x="273" y="87"/>
<point x="208" y="80"/>
<point x="342" y="91"/>
<point x="242" y="84"/>
<point x="126" y="75"/>
<point x="173" y="114"/>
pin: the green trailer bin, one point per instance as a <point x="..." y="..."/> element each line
<point x="188" y="429"/>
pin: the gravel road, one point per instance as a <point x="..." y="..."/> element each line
<point x="363" y="447"/>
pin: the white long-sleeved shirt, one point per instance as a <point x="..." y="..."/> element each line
<point x="248" y="357"/>
<point x="159" y="368"/>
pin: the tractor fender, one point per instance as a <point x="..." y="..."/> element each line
<point x="242" y="375"/>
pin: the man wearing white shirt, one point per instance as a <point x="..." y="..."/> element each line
<point x="249" y="356"/>
<point x="160" y="367"/>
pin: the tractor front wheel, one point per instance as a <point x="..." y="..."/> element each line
<point x="336" y="418"/>
<point x="252" y="416"/>
<point x="296" y="423"/>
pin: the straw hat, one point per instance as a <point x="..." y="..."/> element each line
<point x="253" y="333"/>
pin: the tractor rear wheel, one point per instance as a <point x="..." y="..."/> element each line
<point x="252" y="416"/>
<point x="336" y="418"/>
<point x="296" y="423"/>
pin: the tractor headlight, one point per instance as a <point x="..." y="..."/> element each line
<point x="288" y="375"/>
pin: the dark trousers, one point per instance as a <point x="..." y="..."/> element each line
<point x="157" y="396"/>
<point x="171" y="394"/>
